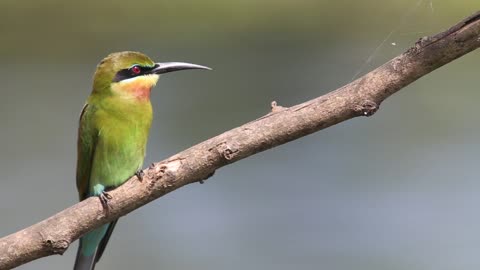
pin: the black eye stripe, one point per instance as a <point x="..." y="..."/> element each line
<point x="128" y="73"/>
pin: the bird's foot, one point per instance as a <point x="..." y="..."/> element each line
<point x="104" y="198"/>
<point x="140" y="174"/>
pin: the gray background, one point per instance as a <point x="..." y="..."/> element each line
<point x="395" y="191"/>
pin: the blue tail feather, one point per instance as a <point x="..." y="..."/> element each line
<point x="87" y="254"/>
<point x="83" y="262"/>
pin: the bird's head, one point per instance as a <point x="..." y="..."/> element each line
<point x="132" y="74"/>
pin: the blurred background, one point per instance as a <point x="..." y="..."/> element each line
<point x="398" y="190"/>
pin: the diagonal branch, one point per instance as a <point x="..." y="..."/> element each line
<point x="359" y="98"/>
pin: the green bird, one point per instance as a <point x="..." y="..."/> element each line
<point x="112" y="134"/>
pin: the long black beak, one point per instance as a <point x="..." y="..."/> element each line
<point x="161" y="68"/>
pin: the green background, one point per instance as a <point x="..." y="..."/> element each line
<point x="398" y="190"/>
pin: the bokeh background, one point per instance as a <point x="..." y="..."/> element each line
<point x="398" y="190"/>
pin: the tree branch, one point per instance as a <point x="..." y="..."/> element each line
<point x="359" y="98"/>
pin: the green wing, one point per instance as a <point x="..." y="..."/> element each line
<point x="86" y="144"/>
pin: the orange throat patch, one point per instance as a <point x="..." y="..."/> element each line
<point x="136" y="88"/>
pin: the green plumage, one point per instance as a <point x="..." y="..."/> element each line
<point x="112" y="139"/>
<point x="113" y="133"/>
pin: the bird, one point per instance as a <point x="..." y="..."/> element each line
<point x="112" y="135"/>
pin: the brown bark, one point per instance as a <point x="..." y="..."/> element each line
<point x="359" y="98"/>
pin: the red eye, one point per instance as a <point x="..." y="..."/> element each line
<point x="136" y="69"/>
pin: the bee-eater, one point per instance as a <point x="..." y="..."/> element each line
<point x="113" y="133"/>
